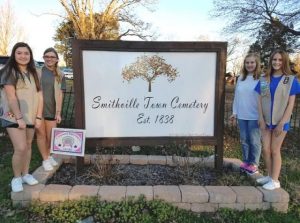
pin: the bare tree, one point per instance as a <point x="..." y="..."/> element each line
<point x="235" y="53"/>
<point x="149" y="68"/>
<point x="249" y="15"/>
<point x="82" y="14"/>
<point x="233" y="45"/>
<point x="10" y="31"/>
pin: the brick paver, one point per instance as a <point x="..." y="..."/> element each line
<point x="257" y="206"/>
<point x="275" y="196"/>
<point x="247" y="194"/>
<point x="170" y="161"/>
<point x="193" y="194"/>
<point x="181" y="161"/>
<point x="55" y="192"/>
<point x="58" y="159"/>
<point x="221" y="194"/>
<point x="194" y="160"/>
<point x="234" y="206"/>
<point x="41" y="175"/>
<point x="185" y="206"/>
<point x="206" y="207"/>
<point x="167" y="193"/>
<point x="160" y="160"/>
<point x="21" y="204"/>
<point x="209" y="161"/>
<point x="112" y="193"/>
<point x="102" y="159"/>
<point x="87" y="159"/>
<point x="280" y="207"/>
<point x="83" y="191"/>
<point x="121" y="159"/>
<point x="138" y="159"/>
<point x="136" y="191"/>
<point x="68" y="159"/>
<point x="29" y="193"/>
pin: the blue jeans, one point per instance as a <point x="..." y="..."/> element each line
<point x="250" y="140"/>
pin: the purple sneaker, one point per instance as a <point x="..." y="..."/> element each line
<point x="251" y="169"/>
<point x="243" y="166"/>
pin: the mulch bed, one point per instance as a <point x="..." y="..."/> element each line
<point x="130" y="175"/>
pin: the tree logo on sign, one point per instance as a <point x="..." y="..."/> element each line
<point x="149" y="68"/>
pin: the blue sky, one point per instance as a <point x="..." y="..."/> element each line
<point x="174" y="20"/>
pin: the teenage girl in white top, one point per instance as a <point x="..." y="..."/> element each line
<point x="245" y="110"/>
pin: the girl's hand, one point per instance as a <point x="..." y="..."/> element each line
<point x="279" y="129"/>
<point x="262" y="125"/>
<point x="21" y="123"/>
<point x="38" y="123"/>
<point x="232" y="119"/>
<point x="58" y="118"/>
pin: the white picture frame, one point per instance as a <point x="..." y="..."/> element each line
<point x="68" y="141"/>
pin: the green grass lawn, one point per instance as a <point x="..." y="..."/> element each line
<point x="154" y="211"/>
<point x="7" y="212"/>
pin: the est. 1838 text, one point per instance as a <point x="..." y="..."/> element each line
<point x="157" y="119"/>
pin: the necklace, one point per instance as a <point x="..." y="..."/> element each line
<point x="26" y="74"/>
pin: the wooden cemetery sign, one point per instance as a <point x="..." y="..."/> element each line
<point x="150" y="93"/>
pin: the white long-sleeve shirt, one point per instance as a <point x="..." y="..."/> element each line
<point x="246" y="99"/>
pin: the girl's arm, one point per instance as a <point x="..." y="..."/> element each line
<point x="13" y="104"/>
<point x="286" y="116"/>
<point x="261" y="121"/>
<point x="39" y="113"/>
<point x="233" y="116"/>
<point x="59" y="106"/>
<point x="234" y="109"/>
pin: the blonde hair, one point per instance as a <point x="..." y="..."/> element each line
<point x="286" y="70"/>
<point x="257" y="71"/>
<point x="56" y="71"/>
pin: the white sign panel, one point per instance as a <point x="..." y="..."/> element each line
<point x="149" y="94"/>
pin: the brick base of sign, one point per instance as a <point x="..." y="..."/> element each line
<point x="188" y="197"/>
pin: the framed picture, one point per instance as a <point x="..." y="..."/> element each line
<point x="68" y="141"/>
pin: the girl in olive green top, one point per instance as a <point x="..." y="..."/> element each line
<point x="53" y="85"/>
<point x="21" y="110"/>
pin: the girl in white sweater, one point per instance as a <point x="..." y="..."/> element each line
<point x="245" y="110"/>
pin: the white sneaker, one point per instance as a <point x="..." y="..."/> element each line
<point x="16" y="184"/>
<point x="47" y="165"/>
<point x="29" y="179"/>
<point x="263" y="180"/>
<point x="53" y="161"/>
<point x="271" y="185"/>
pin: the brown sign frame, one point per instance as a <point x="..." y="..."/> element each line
<point x="220" y="48"/>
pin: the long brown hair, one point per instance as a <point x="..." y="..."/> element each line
<point x="56" y="71"/>
<point x="12" y="67"/>
<point x="257" y="71"/>
<point x="286" y="70"/>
